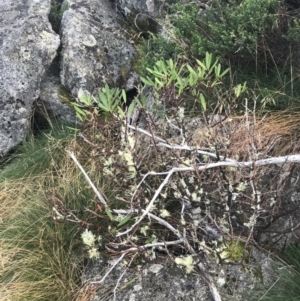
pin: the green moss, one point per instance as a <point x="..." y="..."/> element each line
<point x="234" y="251"/>
<point x="123" y="76"/>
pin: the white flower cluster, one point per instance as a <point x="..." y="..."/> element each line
<point x="90" y="240"/>
<point x="180" y="113"/>
<point x="187" y="262"/>
<point x="126" y="154"/>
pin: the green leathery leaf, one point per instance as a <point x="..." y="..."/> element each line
<point x="201" y="64"/>
<point x="203" y="102"/>
<point x="109" y="214"/>
<point x="124" y="221"/>
<point x="208" y="58"/>
<point x="224" y="72"/>
<point x="147" y="81"/>
<point x="218" y="70"/>
<point x="130" y="109"/>
<point x="124" y="95"/>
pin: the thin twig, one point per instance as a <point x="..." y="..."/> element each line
<point x="146" y="133"/>
<point x="177" y="128"/>
<point x="207" y="278"/>
<point x="193" y="149"/>
<point x="157" y="192"/>
<point x="151" y="215"/>
<point x="116" y="286"/>
<point x="108" y="272"/>
<point x="100" y="197"/>
<point x="153" y="245"/>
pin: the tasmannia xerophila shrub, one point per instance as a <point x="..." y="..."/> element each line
<point x="261" y="32"/>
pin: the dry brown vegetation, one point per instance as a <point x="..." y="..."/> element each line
<point x="274" y="134"/>
<point x="40" y="258"/>
<point x="35" y="260"/>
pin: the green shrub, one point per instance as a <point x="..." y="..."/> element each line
<point x="154" y="49"/>
<point x="293" y="33"/>
<point x="258" y="32"/>
<point x="237" y="28"/>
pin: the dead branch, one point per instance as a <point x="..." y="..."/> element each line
<point x="97" y="192"/>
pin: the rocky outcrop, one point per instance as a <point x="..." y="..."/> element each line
<point x="55" y="100"/>
<point x="165" y="280"/>
<point x="27" y="47"/>
<point x="142" y="14"/>
<point x="95" y="50"/>
<point x="144" y="7"/>
<point x="153" y="282"/>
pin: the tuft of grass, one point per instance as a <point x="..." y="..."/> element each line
<point x="42" y="258"/>
<point x="276" y="89"/>
<point x="286" y="285"/>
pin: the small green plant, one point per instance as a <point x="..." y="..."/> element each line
<point x="201" y="82"/>
<point x="174" y="87"/>
<point x="108" y="101"/>
<point x="233" y="251"/>
<point x="154" y="49"/>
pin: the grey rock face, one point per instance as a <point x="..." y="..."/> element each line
<point x="167" y="281"/>
<point x="54" y="100"/>
<point x="95" y="50"/>
<point x="27" y="47"/>
<point x="148" y="7"/>
<point x="143" y="14"/>
<point x="150" y="282"/>
<point x="153" y="8"/>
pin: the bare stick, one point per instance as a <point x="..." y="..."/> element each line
<point x="115" y="289"/>
<point x="163" y="142"/>
<point x="206" y="277"/>
<point x="100" y="197"/>
<point x="153" y="245"/>
<point x="146" y="133"/>
<point x="192" y="148"/>
<point x="86" y="140"/>
<point x="158" y="219"/>
<point x="157" y="192"/>
<point x="274" y="160"/>
<point x="153" y="173"/>
<point x="177" y="128"/>
<point x="108" y="272"/>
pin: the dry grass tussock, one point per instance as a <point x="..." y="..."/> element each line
<point x="241" y="137"/>
<point x="42" y="259"/>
